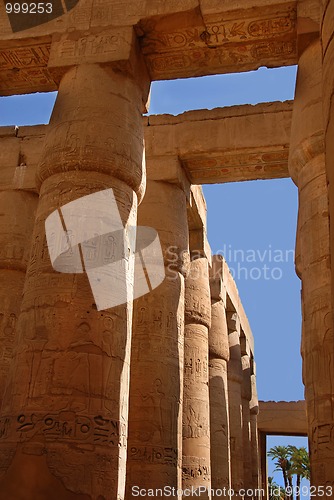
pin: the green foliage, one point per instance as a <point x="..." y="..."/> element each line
<point x="276" y="492"/>
<point x="291" y="461"/>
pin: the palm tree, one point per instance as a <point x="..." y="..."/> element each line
<point x="282" y="454"/>
<point x="276" y="492"/>
<point x="300" y="466"/>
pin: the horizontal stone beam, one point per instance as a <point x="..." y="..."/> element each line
<point x="282" y="418"/>
<point x="178" y="39"/>
<point x="237" y="143"/>
<point x="233" y="144"/>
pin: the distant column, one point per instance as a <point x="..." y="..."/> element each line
<point x="157" y="354"/>
<point x="246" y="393"/>
<point x="196" y="410"/>
<point x="219" y="355"/>
<point x="255" y="459"/>
<point x="235" y="380"/>
<point x="307" y="168"/>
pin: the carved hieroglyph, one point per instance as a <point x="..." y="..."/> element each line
<point x="235" y="380"/>
<point x="196" y="411"/>
<point x="64" y="417"/>
<point x="219" y="355"/>
<point x="17" y="210"/>
<point x="157" y="354"/>
<point x="327" y="39"/>
<point x="307" y="168"/>
<point x="179" y="39"/>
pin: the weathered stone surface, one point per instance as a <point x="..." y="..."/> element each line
<point x="307" y="163"/>
<point x="255" y="451"/>
<point x="157" y="355"/>
<point x="66" y="405"/>
<point x="177" y="39"/>
<point x="17" y="210"/>
<point x="246" y="394"/>
<point x="235" y="380"/>
<point x="196" y="467"/>
<point x="219" y="355"/>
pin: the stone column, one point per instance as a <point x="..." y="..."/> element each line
<point x="246" y="393"/>
<point x="157" y="356"/>
<point x="327" y="41"/>
<point x="196" y="409"/>
<point x="254" y="411"/>
<point x="235" y="380"/>
<point x="219" y="355"/>
<point x="65" y="412"/>
<point x="17" y="210"/>
<point x="307" y="168"/>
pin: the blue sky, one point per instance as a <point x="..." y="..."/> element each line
<point x="256" y="218"/>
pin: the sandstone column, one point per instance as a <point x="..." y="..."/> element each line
<point x="196" y="410"/>
<point x="307" y="168"/>
<point x="246" y="397"/>
<point x="254" y="411"/>
<point x="235" y="380"/>
<point x="17" y="210"/>
<point x="157" y="356"/>
<point x="327" y="39"/>
<point x="219" y="355"/>
<point x="65" y="412"/>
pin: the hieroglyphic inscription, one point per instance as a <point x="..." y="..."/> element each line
<point x="154" y="455"/>
<point x="63" y="427"/>
<point x="216" y="34"/>
<point x="25" y="57"/>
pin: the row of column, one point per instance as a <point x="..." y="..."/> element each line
<point x="75" y="422"/>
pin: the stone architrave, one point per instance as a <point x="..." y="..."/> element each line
<point x="235" y="381"/>
<point x="17" y="210"/>
<point x="219" y="355"/>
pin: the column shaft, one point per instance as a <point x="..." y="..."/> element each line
<point x="255" y="458"/>
<point x="66" y="407"/>
<point x="246" y="393"/>
<point x="157" y="356"/>
<point x="307" y="166"/>
<point x="327" y="42"/>
<point x="235" y="379"/>
<point x="196" y="410"/>
<point x="16" y="226"/>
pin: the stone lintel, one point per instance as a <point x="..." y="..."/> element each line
<point x="178" y="39"/>
<point x="218" y="146"/>
<point x="221" y="37"/>
<point x="283" y="418"/>
<point x="237" y="143"/>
